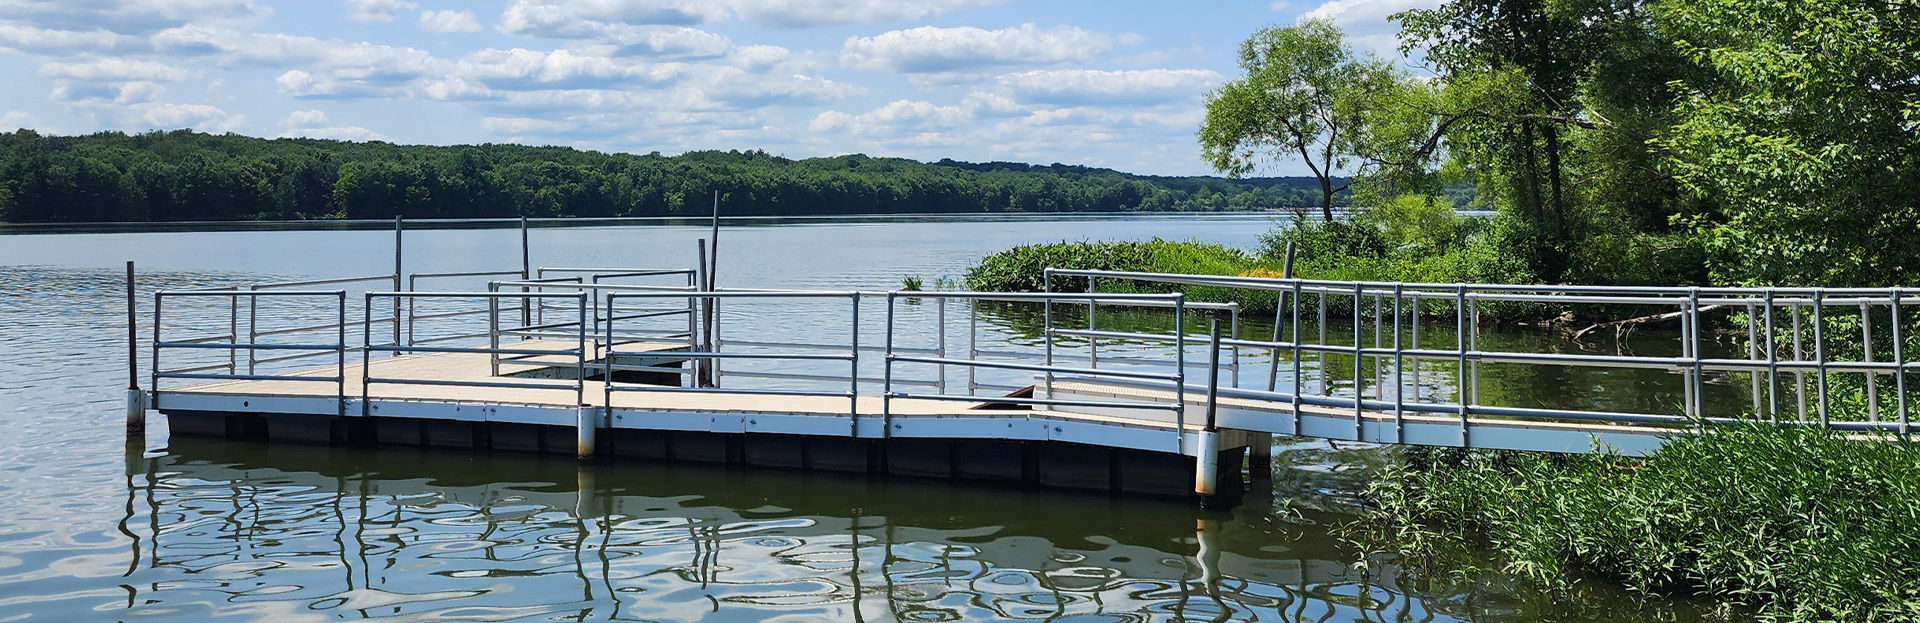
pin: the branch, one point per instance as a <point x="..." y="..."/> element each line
<point x="1621" y="326"/>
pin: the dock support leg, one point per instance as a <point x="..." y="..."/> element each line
<point x="136" y="411"/>
<point x="587" y="424"/>
<point x="1260" y="455"/>
<point x="1206" y="473"/>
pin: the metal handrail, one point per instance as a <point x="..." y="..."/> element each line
<point x="851" y="355"/>
<point x="252" y="346"/>
<point x="581" y="352"/>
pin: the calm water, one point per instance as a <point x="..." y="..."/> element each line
<point x="95" y="528"/>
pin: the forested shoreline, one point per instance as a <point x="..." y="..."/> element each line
<point x="184" y="175"/>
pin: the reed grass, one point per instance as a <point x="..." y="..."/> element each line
<point x="1786" y="524"/>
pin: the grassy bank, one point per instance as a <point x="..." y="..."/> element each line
<point x="1464" y="251"/>
<point x="1797" y="525"/>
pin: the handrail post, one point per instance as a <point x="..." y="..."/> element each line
<point x="1820" y="350"/>
<point x="1046" y="326"/>
<point x="1899" y="363"/>
<point x="136" y="400"/>
<point x="1773" y="363"/>
<point x="1359" y="364"/>
<point x="940" y="348"/>
<point x="606" y="349"/>
<point x="1179" y="372"/>
<point x="398" y="236"/>
<point x="886" y="374"/>
<point x="366" y="354"/>
<point x="587" y="418"/>
<point x="1213" y="377"/>
<point x="1298" y="384"/>
<point x="1866" y="356"/>
<point x="1093" y="343"/>
<point x="1460" y="347"/>
<point x="1399" y="372"/>
<point x="853" y="373"/>
<point x="153" y="367"/>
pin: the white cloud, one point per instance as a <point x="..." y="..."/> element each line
<point x="1366" y="23"/>
<point x="47" y="41"/>
<point x="132" y="17"/>
<point x="806" y="13"/>
<point x="1077" y="87"/>
<point x="598" y="19"/>
<point x="376" y="10"/>
<point x="449" y="21"/>
<point x="892" y="119"/>
<point x="527" y="70"/>
<point x="18" y="120"/>
<point x="673" y="41"/>
<point x="113" y="70"/>
<point x="306" y="118"/>
<point x="337" y="133"/>
<point x="937" y="50"/>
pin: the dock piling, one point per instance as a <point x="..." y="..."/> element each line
<point x="587" y="426"/>
<point x="136" y="400"/>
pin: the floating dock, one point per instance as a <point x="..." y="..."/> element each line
<point x="633" y="363"/>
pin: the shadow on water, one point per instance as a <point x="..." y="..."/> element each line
<point x="240" y="530"/>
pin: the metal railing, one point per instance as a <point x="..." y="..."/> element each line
<point x="252" y="346"/>
<point x="1050" y="369"/>
<point x="254" y="361"/>
<point x="413" y="315"/>
<point x="849" y="353"/>
<point x="1784" y="338"/>
<point x="580" y="353"/>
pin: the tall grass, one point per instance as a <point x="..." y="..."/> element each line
<point x="1795" y="524"/>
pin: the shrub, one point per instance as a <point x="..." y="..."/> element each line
<point x="1798" y="524"/>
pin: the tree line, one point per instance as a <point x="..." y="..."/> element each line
<point x="184" y="175"/>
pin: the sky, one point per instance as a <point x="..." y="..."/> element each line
<point x="1111" y="83"/>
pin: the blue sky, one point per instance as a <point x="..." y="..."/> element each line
<point x="1114" y="83"/>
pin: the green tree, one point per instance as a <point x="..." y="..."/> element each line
<point x="1806" y="128"/>
<point x="1305" y="95"/>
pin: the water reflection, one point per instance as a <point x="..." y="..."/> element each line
<point x="238" y="530"/>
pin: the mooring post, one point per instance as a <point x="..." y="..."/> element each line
<point x="587" y="424"/>
<point x="136" y="400"/>
<point x="702" y="342"/>
<point x="1206" y="475"/>
<point x="526" y="272"/>
<point x="1260" y="445"/>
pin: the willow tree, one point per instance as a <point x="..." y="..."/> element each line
<point x="1305" y="96"/>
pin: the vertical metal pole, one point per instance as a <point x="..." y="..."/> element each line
<point x="526" y="272"/>
<point x="233" y="332"/>
<point x="1820" y="350"/>
<point x="1093" y="343"/>
<point x="398" y="286"/>
<point x="1473" y="343"/>
<point x="702" y="367"/>
<point x="973" y="345"/>
<point x="1213" y="377"/>
<point x="586" y="418"/>
<point x="493" y="329"/>
<point x="1325" y="384"/>
<point x="1753" y="354"/>
<point x="1359" y="362"/>
<point x="940" y="348"/>
<point x="886" y="375"/>
<point x="366" y="354"/>
<point x="1280" y="303"/>
<point x="153" y="365"/>
<point x="1233" y="331"/>
<point x="1799" y="357"/>
<point x="1866" y="356"/>
<point x="1379" y="379"/>
<point x="1299" y="386"/>
<point x="606" y="379"/>
<point x="253" y="331"/>
<point x="1046" y="332"/>
<point x="713" y="268"/>
<point x="1399" y="376"/>
<point x="853" y="373"/>
<point x="1900" y="364"/>
<point x="1693" y="337"/>
<point x="1179" y="374"/>
<point x="136" y="400"/>
<point x="1413" y="319"/>
<point x="1773" y="364"/>
<point x="1460" y="348"/>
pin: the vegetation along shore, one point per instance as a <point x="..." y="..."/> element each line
<point x="1715" y="142"/>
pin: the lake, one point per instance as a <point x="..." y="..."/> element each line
<point x="95" y="528"/>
